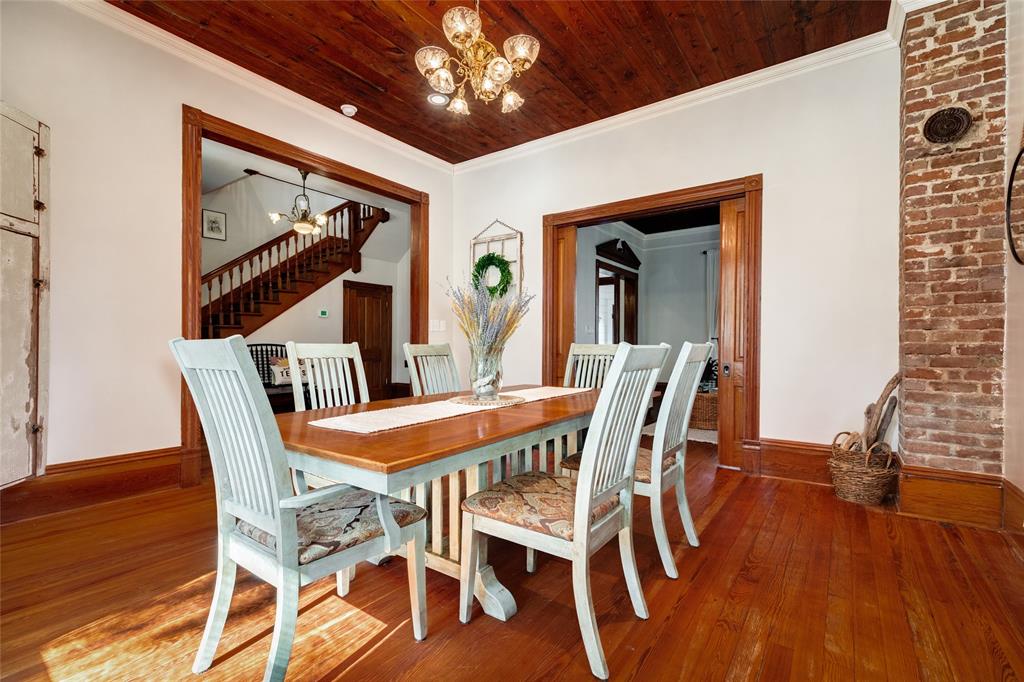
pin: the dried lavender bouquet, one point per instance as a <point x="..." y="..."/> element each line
<point x="488" y="319"/>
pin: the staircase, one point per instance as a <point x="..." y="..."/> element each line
<point x="244" y="294"/>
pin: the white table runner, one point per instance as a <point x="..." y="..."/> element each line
<point x="407" y="415"/>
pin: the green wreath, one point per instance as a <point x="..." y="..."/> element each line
<point x="485" y="263"/>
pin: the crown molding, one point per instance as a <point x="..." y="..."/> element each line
<point x="145" y="32"/>
<point x="689" y="237"/>
<point x="853" y="49"/>
<point x="898" y="11"/>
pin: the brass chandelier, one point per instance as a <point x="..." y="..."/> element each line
<point x="301" y="217"/>
<point x="478" y="62"/>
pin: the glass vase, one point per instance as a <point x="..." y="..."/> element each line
<point x="485" y="373"/>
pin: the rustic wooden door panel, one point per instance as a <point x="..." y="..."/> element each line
<point x="367" y="321"/>
<point x="18" y="355"/>
<point x="19" y="170"/>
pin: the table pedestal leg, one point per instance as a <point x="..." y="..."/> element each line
<point x="494" y="598"/>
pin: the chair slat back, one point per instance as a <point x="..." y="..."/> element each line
<point x="249" y="466"/>
<point x="333" y="372"/>
<point x="431" y="368"/>
<point x="262" y="354"/>
<point x="588" y="364"/>
<point x="609" y="454"/>
<point x="677" y="404"/>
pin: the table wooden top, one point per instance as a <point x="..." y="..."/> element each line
<point x="411" y="446"/>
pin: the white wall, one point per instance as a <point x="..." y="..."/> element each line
<point x="1013" y="455"/>
<point x="114" y="104"/>
<point x="673" y="290"/>
<point x="827" y="142"/>
<point x="302" y="322"/>
<point x="672" y="284"/>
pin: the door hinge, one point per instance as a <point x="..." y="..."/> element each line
<point x="39" y="206"/>
<point x="36" y="428"/>
<point x="38" y="151"/>
<point x="40" y="283"/>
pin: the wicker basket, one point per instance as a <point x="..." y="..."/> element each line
<point x="705" y="412"/>
<point x="862" y="477"/>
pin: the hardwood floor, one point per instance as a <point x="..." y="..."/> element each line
<point x="788" y="582"/>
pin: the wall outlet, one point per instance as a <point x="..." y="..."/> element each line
<point x="322" y="313"/>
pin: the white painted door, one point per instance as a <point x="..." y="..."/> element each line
<point x="24" y="249"/>
<point x="18" y="355"/>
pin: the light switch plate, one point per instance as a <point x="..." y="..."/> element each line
<point x="323" y="312"/>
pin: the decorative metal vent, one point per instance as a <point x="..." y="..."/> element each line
<point x="947" y="125"/>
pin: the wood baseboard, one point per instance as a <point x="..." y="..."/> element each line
<point x="794" y="460"/>
<point x="79" y="484"/>
<point x="1013" y="508"/>
<point x="956" y="496"/>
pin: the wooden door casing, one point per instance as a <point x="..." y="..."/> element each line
<point x="366" y="315"/>
<point x="625" y="316"/>
<point x="197" y="125"/>
<point x="742" y="422"/>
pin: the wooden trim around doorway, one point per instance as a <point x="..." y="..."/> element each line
<point x="197" y="125"/>
<point x="555" y="314"/>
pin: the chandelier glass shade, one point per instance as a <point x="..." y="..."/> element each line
<point x="477" y="61"/>
<point x="302" y="219"/>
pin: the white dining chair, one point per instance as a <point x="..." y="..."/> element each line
<point x="285" y="539"/>
<point x="333" y="372"/>
<point x="663" y="467"/>
<point x="588" y="364"/>
<point x="431" y="368"/>
<point x="573" y="518"/>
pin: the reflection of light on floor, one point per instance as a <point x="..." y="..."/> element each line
<point x="151" y="638"/>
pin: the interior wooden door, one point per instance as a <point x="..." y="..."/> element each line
<point x="732" y="332"/>
<point x="562" y="299"/>
<point x="367" y="320"/>
<point x="630" y="304"/>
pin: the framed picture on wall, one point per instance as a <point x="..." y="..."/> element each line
<point x="215" y="225"/>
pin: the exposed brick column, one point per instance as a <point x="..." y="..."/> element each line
<point x="952" y="263"/>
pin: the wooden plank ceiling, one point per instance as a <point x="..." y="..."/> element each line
<point x="597" y="59"/>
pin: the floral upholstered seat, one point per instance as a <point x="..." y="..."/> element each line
<point x="328" y="527"/>
<point x="643" y="464"/>
<point x="536" y="500"/>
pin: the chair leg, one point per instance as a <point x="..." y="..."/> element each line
<point x="587" y="617"/>
<point x="415" y="551"/>
<point x="345" y="577"/>
<point x="660" y="534"/>
<point x="684" y="510"/>
<point x="284" y="625"/>
<point x="531" y="560"/>
<point x="469" y="566"/>
<point x="636" y="590"/>
<point x="222" y="591"/>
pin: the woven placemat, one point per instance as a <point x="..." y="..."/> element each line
<point x="500" y="401"/>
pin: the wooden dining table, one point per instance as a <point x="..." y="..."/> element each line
<point x="439" y="463"/>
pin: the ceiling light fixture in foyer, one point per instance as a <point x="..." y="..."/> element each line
<point x="478" y="62"/>
<point x="302" y="219"/>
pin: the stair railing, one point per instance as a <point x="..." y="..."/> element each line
<point x="241" y="284"/>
